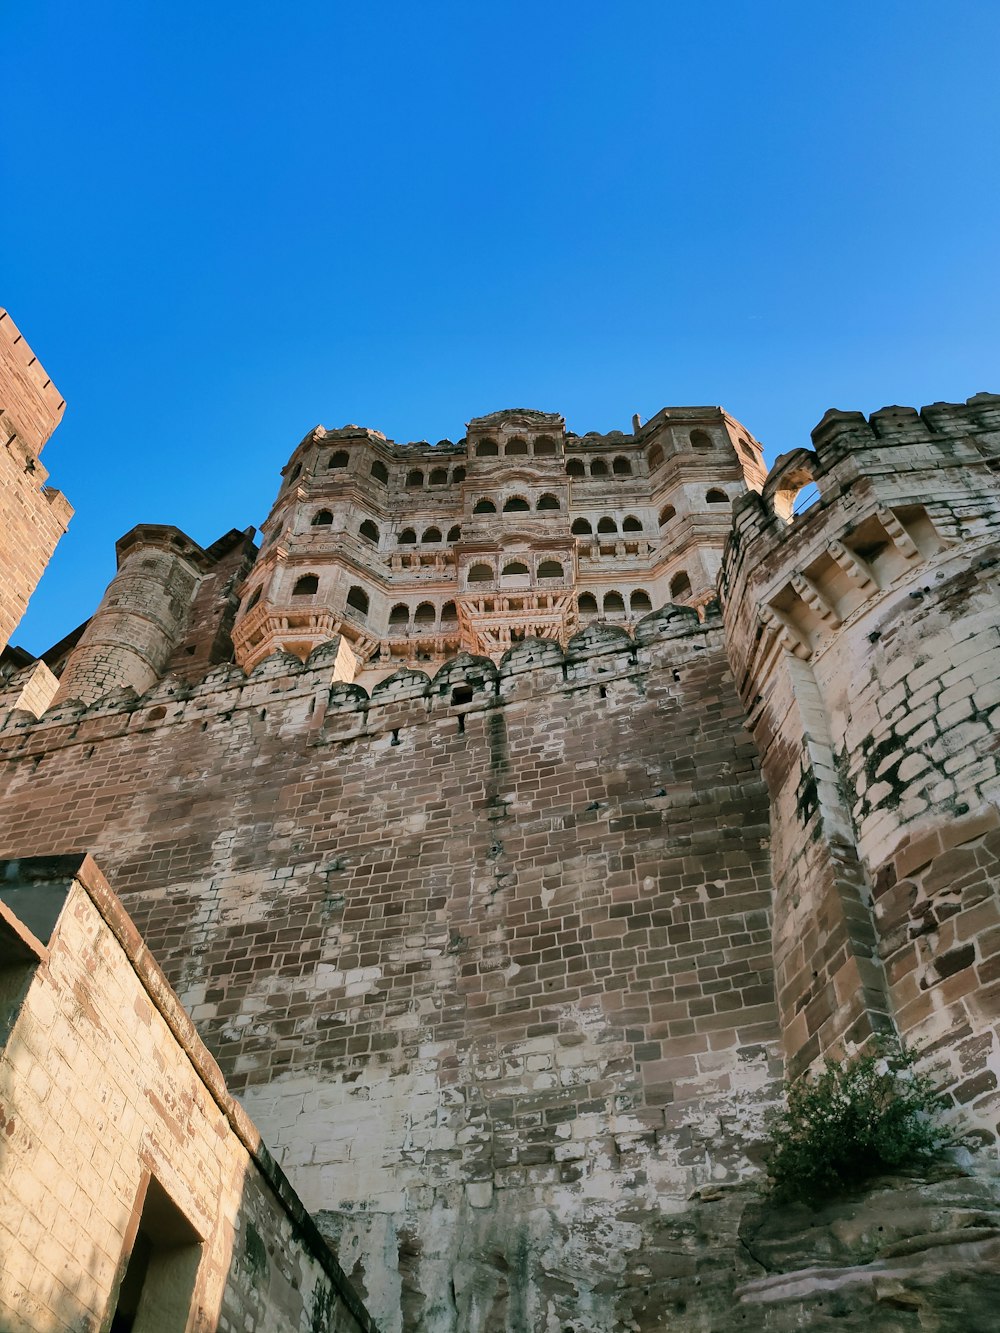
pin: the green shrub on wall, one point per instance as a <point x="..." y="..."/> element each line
<point x="858" y="1118"/>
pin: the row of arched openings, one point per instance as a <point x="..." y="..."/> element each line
<point x="620" y="467"/>
<point x="357" y="599"/>
<point x="700" y="441"/>
<point x="547" y="569"/>
<point x="613" y="603"/>
<point x="425" y="614"/>
<point x="515" y="504"/>
<point x="409" y="536"/>
<point x="437" y="476"/>
<point x="582" y="527"/>
<point x="543" y="446"/>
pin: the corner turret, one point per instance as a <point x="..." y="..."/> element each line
<point x="863" y="634"/>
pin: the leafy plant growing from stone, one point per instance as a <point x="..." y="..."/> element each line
<point x="861" y="1117"/>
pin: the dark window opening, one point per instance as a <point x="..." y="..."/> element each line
<point x="157" y="1288"/>
<point x="357" y="600"/>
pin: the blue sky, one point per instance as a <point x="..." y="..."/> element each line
<point x="225" y="223"/>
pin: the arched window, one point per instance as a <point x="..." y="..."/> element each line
<point x="516" y="504"/>
<point x="598" y="468"/>
<point x="545" y="446"/>
<point x="547" y="502"/>
<point x="455" y="534"/>
<point x="306" y="585"/>
<point x="399" y="615"/>
<point x="639" y="601"/>
<point x="588" y="603"/>
<point x="550" y="569"/>
<point x="415" y="478"/>
<point x="516" y="448"/>
<point x="680" y="585"/>
<point x="581" y="527"/>
<point x="631" y="524"/>
<point x="700" y="439"/>
<point x="716" y="497"/>
<point x="357" y="600"/>
<point x="449" y="613"/>
<point x="655" y="457"/>
<point x="340" y="459"/>
<point x="614" y="603"/>
<point x="666" y="514"/>
<point x="322" y="518"/>
<point x="621" y="467"/>
<point x="431" y="535"/>
<point x="606" y="524"/>
<point x="380" y="472"/>
<point x="480" y="574"/>
<point x="424" y="614"/>
<point x="484" y="507"/>
<point x="487" y="449"/>
<point x="515" y="567"/>
<point x="254" y="599"/>
<point x="575" y="468"/>
<point x="458" y="475"/>
<point x="438" y="477"/>
<point x="407" y="537"/>
<point x="368" y="530"/>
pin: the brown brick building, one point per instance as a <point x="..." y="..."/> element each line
<point x="526" y="805"/>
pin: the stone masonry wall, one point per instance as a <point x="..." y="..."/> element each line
<point x="487" y="957"/>
<point x="107" y="1101"/>
<point x="864" y="633"/>
<point x="33" y="516"/>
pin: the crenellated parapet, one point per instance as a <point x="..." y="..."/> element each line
<point x="864" y="632"/>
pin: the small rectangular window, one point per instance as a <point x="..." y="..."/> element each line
<point x="157" y="1286"/>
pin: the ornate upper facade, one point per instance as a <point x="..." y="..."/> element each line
<point x="414" y="552"/>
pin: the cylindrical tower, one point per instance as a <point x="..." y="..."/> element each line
<point x="141" y="617"/>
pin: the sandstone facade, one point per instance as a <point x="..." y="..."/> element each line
<point x="505" y="871"/>
<point x="33" y="516"/>
<point x="130" y="1181"/>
